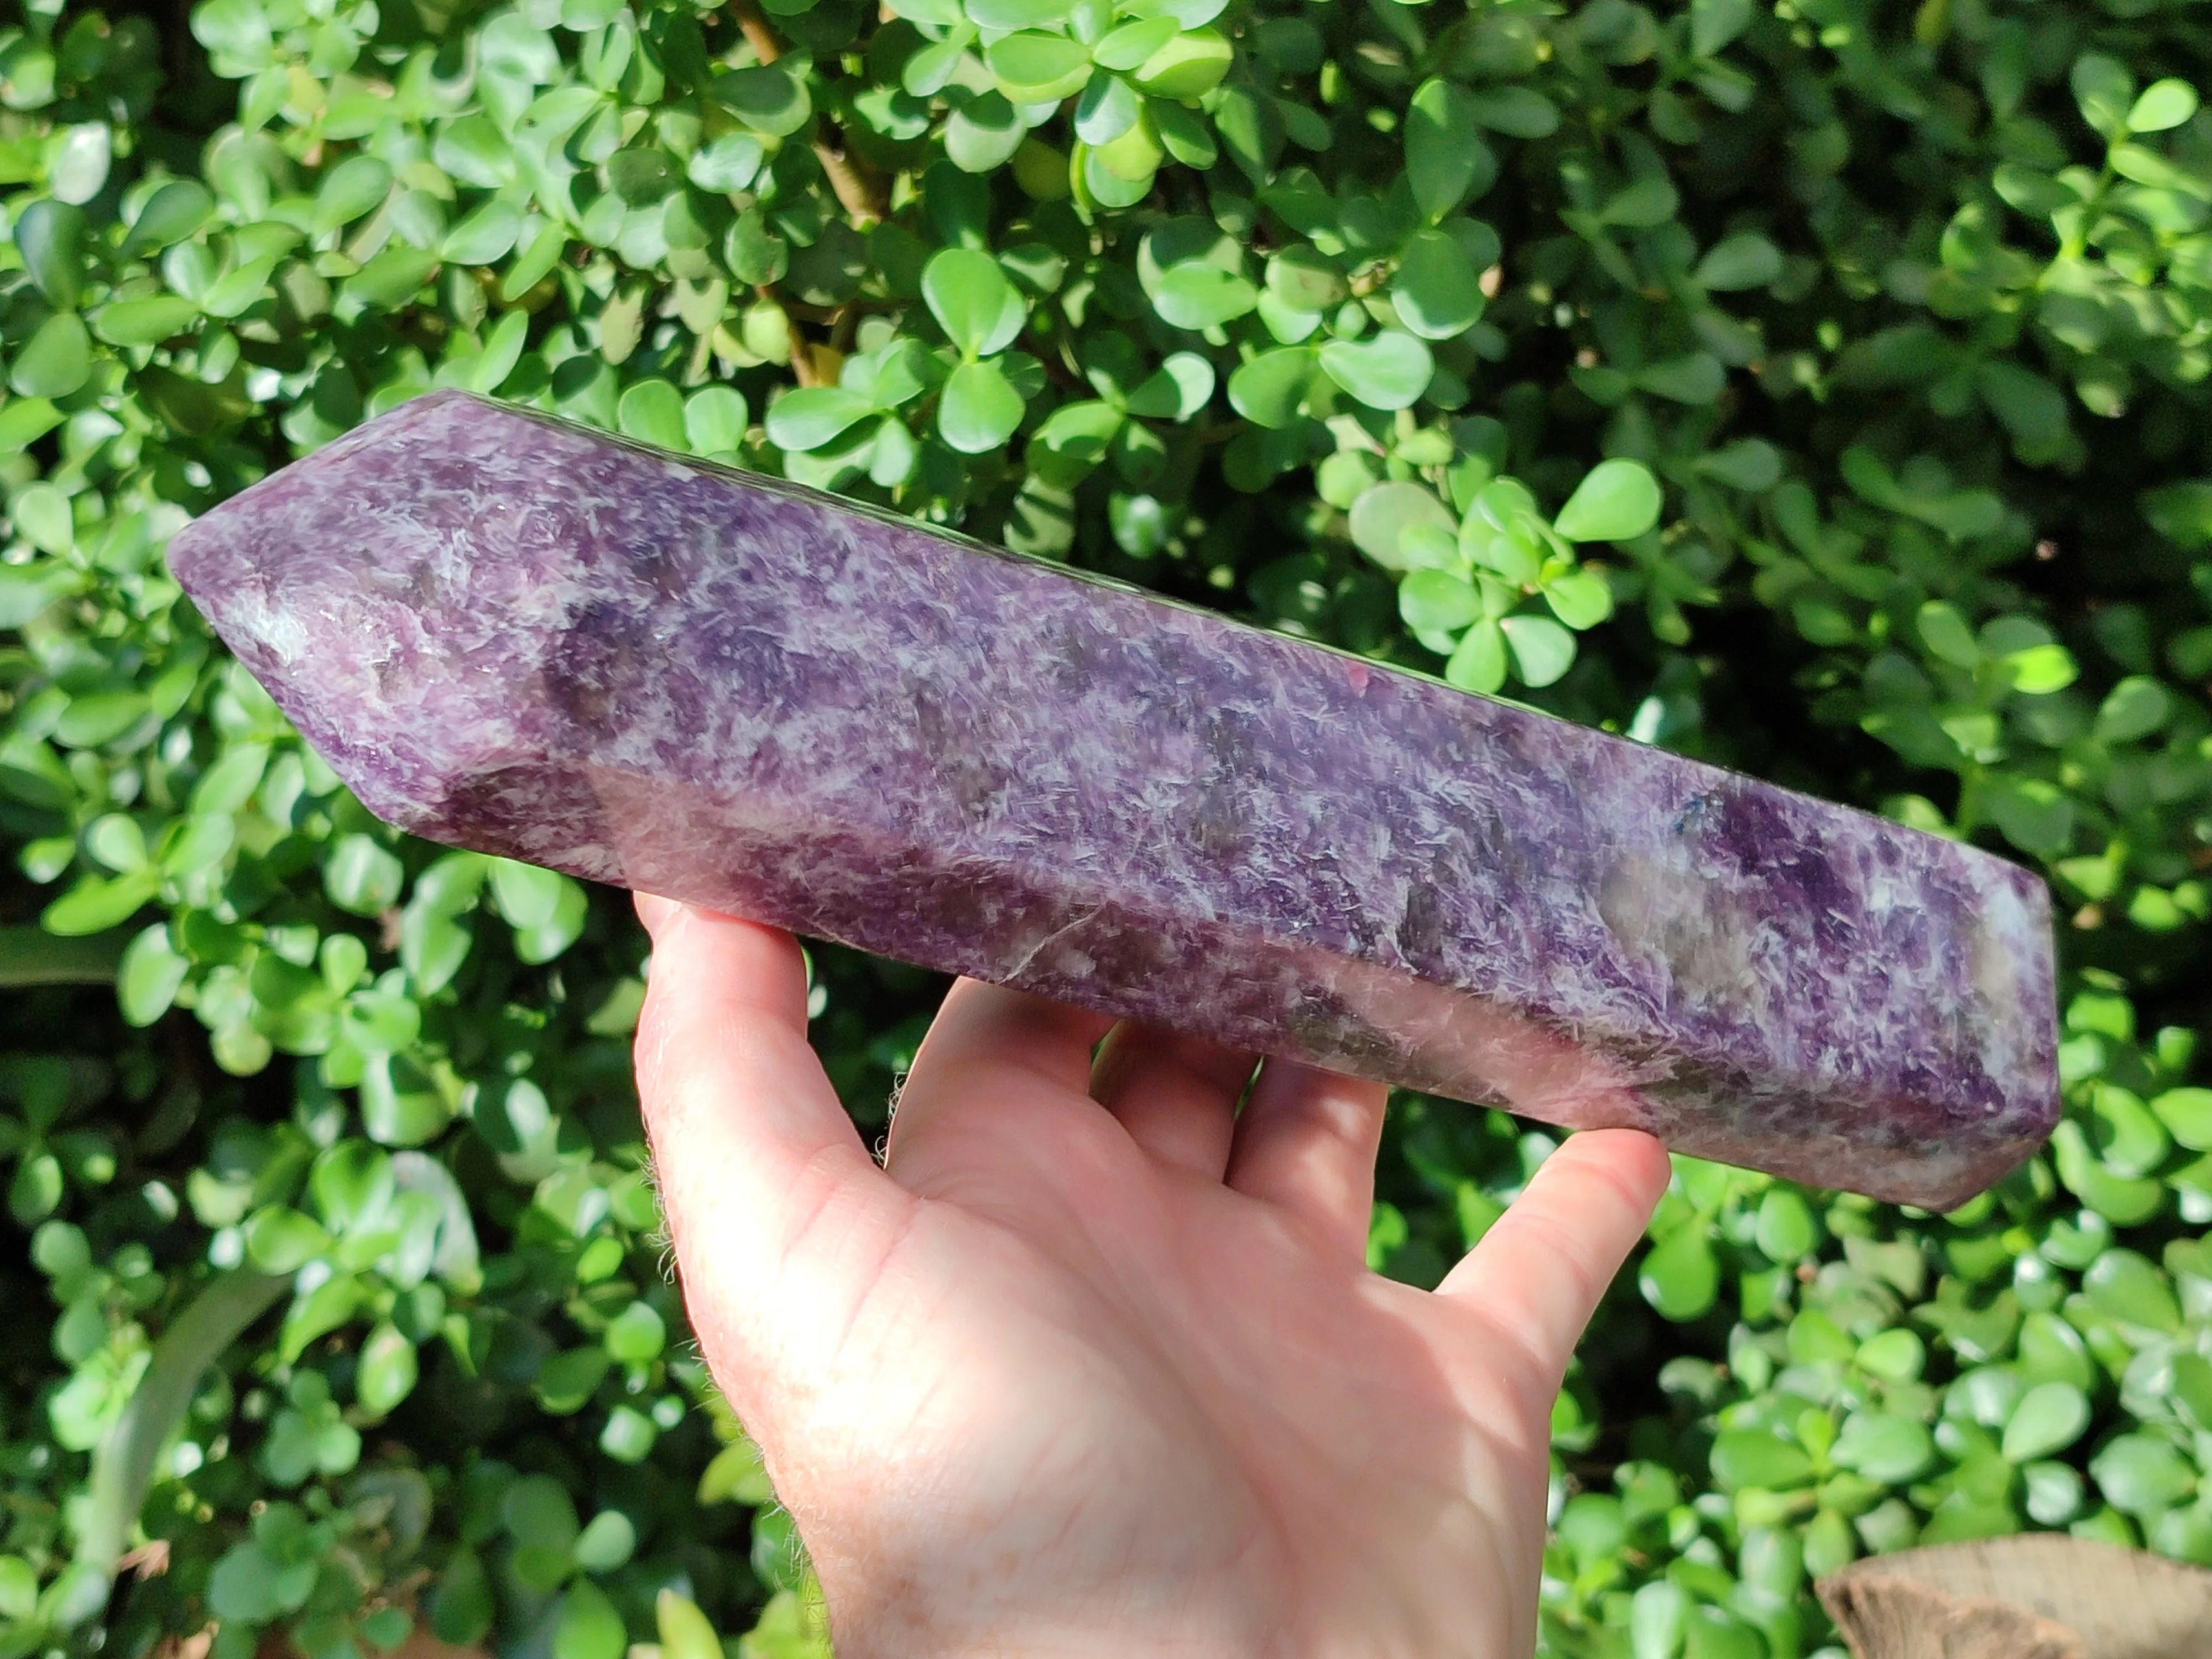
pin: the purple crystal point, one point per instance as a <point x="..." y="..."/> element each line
<point x="519" y="636"/>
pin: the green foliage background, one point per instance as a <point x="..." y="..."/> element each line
<point x="338" y="1266"/>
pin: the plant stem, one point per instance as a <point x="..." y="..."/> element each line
<point x="31" y="956"/>
<point x="123" y="1463"/>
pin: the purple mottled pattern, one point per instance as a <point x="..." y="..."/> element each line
<point x="515" y="635"/>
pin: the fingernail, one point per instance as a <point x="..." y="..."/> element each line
<point x="654" y="911"/>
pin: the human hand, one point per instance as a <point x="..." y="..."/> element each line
<point x="1095" y="1364"/>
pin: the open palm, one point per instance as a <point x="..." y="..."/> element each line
<point x="1094" y="1362"/>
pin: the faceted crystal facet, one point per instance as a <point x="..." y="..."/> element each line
<point x="519" y="636"/>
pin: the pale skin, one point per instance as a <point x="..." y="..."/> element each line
<point x="1093" y="1362"/>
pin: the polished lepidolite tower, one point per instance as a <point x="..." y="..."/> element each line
<point x="523" y="637"/>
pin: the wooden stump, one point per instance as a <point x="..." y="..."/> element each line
<point x="2037" y="1596"/>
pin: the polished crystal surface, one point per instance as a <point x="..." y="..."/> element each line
<point x="520" y="636"/>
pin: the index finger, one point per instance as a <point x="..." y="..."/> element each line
<point x="778" y="1213"/>
<point x="1539" y="1271"/>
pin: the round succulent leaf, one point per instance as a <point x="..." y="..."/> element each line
<point x="1478" y="663"/>
<point x="1032" y="67"/>
<point x="1382" y="515"/>
<point x="1130" y="44"/>
<point x="2192" y="1389"/>
<point x="49" y="237"/>
<point x="641" y="173"/>
<point x="1580" y="599"/>
<point x="1617" y="501"/>
<point x="246" y="1587"/>
<point x="1885" y="1447"/>
<point x="401" y="1105"/>
<point x="2130" y="1139"/>
<point x="42" y="516"/>
<point x="1679" y="1276"/>
<point x="1542" y="650"/>
<point x="1431" y="547"/>
<point x="389" y="279"/>
<point x="1270" y="391"/>
<point x="536" y="260"/>
<point x="387" y="1372"/>
<point x="1304" y="279"/>
<point x="152" y="971"/>
<point x="929" y="70"/>
<point x="1642" y="203"/>
<point x="629" y="1435"/>
<point x="588" y="1626"/>
<point x="685" y="1632"/>
<point x="651" y="411"/>
<point x="1100" y="186"/>
<point x="2140" y="1474"/>
<point x="729" y="163"/>
<point x="55" y="361"/>
<point x="1388" y="371"/>
<point x="1695" y="377"/>
<point x="1286" y="325"/>
<point x="2125" y="1286"/>
<point x="2134" y="708"/>
<point x="1177" y="390"/>
<point x="1752" y="465"/>
<point x="607" y="1543"/>
<point x="1437" y="601"/>
<point x="1784" y="1229"/>
<point x="1437" y="293"/>
<point x="2122" y="1202"/>
<point x="171" y="214"/>
<point x="1754" y="1458"/>
<point x="2104" y="92"/>
<point x="1109" y="107"/>
<point x="1898" y="1354"/>
<point x="1073" y="439"/>
<point x="715" y="419"/>
<point x="1182" y="134"/>
<point x="980" y="311"/>
<point x="2049" y="1417"/>
<point x="146" y="321"/>
<point x="767" y="99"/>
<point x="1517" y="111"/>
<point x="1199" y="295"/>
<point x="355" y="186"/>
<point x="361" y="876"/>
<point x="1745" y="260"/>
<point x="1135" y="155"/>
<point x="2161" y="106"/>
<point x="635" y="1335"/>
<point x="1189" y="65"/>
<point x="978" y="409"/>
<point x="982" y="134"/>
<point x="2039" y="670"/>
<point x="280" y="1240"/>
<point x="2187" y="1115"/>
<point x="1658" y="1621"/>
<point x="1011" y="15"/>
<point x="2052" y="1494"/>
<point x="811" y="416"/>
<point x="485" y="236"/>
<point x="1511" y="553"/>
<point x="539" y="1513"/>
<point x="1447" y="163"/>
